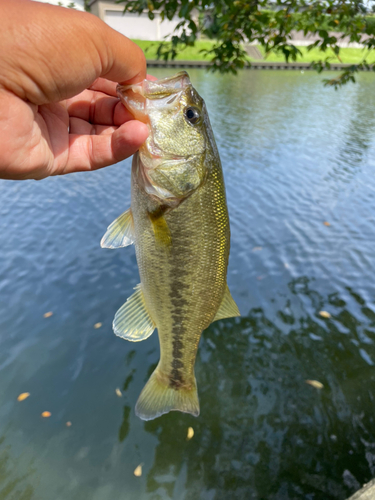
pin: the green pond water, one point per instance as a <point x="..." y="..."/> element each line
<point x="295" y="155"/>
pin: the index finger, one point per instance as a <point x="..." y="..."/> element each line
<point x="97" y="107"/>
<point x="105" y="86"/>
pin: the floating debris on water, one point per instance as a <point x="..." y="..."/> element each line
<point x="326" y="223"/>
<point x="190" y="433"/>
<point x="68" y="424"/>
<point x="138" y="470"/>
<point x="98" y="325"/>
<point x="23" y="396"/>
<point x="46" y="414"/>
<point x="257" y="249"/>
<point x="315" y="383"/>
<point x="118" y="392"/>
<point x="47" y="314"/>
<point x="325" y="314"/>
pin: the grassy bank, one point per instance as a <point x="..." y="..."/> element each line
<point x="189" y="54"/>
<point x="349" y="56"/>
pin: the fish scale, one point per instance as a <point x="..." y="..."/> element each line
<point x="180" y="226"/>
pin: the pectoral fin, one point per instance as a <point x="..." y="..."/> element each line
<point x="132" y="321"/>
<point x="228" y="308"/>
<point x="160" y="227"/>
<point x="120" y="233"/>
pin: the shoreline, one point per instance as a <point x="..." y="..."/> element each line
<point x="255" y="65"/>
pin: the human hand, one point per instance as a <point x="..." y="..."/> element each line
<point x="58" y="107"/>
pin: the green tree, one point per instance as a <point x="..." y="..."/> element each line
<point x="232" y="23"/>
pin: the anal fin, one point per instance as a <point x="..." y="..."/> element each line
<point x="228" y="308"/>
<point x="120" y="233"/>
<point x="132" y="321"/>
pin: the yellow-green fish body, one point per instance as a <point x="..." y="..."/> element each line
<point x="179" y="223"/>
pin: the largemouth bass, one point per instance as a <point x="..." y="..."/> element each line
<point x="179" y="224"/>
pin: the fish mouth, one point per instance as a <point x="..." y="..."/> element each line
<point x="158" y="88"/>
<point x="134" y="96"/>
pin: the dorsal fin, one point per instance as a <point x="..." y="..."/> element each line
<point x="120" y="233"/>
<point x="228" y="308"/>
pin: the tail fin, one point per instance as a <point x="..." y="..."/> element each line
<point x="157" y="398"/>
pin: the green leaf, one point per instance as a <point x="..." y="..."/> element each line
<point x="234" y="22"/>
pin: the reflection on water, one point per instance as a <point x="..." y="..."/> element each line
<point x="298" y="161"/>
<point x="13" y="485"/>
<point x="359" y="136"/>
<point x="265" y="433"/>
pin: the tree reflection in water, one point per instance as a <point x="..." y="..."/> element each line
<point x="13" y="486"/>
<point x="263" y="433"/>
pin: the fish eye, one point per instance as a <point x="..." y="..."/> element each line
<point x="192" y="115"/>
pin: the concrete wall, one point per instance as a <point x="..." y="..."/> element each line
<point x="78" y="4"/>
<point x="132" y="25"/>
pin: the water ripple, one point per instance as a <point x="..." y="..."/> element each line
<point x="298" y="165"/>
